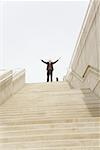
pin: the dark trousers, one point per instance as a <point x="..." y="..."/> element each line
<point x="49" y="74"/>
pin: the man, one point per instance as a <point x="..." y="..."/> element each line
<point x="50" y="68"/>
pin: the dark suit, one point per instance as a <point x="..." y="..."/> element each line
<point x="49" y="69"/>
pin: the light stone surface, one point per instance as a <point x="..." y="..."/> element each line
<point x="54" y="116"/>
<point x="50" y="116"/>
<point x="87" y="53"/>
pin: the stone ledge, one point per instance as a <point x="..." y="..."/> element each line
<point x="91" y="80"/>
<point x="10" y="83"/>
<point x="4" y="74"/>
<point x="18" y="79"/>
<point x="5" y="85"/>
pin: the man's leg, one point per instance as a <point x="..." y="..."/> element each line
<point x="51" y="75"/>
<point x="47" y="76"/>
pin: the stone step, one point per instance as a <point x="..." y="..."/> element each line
<point x="52" y="137"/>
<point x="68" y="126"/>
<point x="57" y="148"/>
<point x="46" y="84"/>
<point x="54" y="91"/>
<point x="51" y="88"/>
<point x="44" y="110"/>
<point x="41" y="127"/>
<point x="43" y="98"/>
<point x="68" y="94"/>
<point x="51" y="131"/>
<point x="54" y="114"/>
<point x="90" y="143"/>
<point x="39" y="101"/>
<point x="48" y="117"/>
<point x="41" y="110"/>
<point x="57" y="91"/>
<point x="63" y="148"/>
<point x="58" y="118"/>
<point x="34" y="118"/>
<point x="50" y="105"/>
<point x="57" y="107"/>
<point x="26" y="122"/>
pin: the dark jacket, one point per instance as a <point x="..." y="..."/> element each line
<point x="50" y="65"/>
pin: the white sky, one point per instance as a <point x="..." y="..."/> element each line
<point x="34" y="30"/>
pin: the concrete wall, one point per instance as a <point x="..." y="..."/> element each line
<point x="85" y="64"/>
<point x="10" y="83"/>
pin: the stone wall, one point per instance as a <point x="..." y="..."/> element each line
<point x="10" y="83"/>
<point x="84" y="69"/>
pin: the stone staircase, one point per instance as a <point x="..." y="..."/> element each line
<point x="50" y="116"/>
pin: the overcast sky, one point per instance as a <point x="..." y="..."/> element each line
<point x="33" y="30"/>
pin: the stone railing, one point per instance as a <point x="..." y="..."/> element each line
<point x="10" y="83"/>
<point x="5" y="85"/>
<point x="90" y="79"/>
<point x="18" y="79"/>
<point x="84" y="69"/>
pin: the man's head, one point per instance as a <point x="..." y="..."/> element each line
<point x="50" y="61"/>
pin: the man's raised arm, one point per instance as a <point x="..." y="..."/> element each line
<point x="56" y="61"/>
<point x="44" y="61"/>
